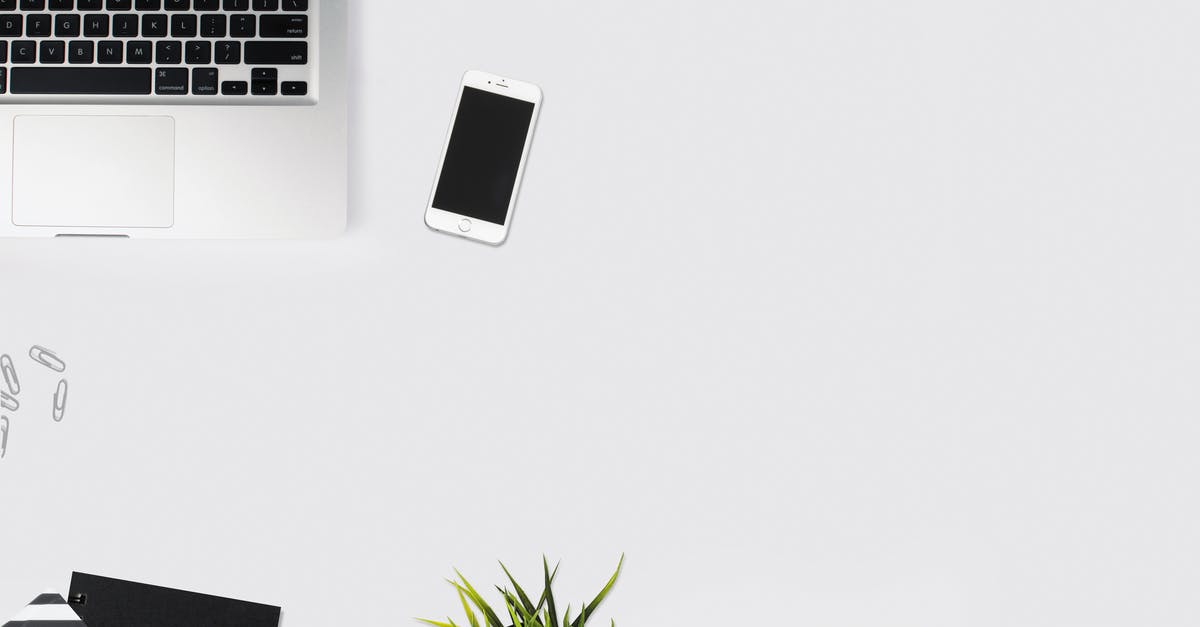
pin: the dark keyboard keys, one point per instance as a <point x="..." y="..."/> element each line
<point x="295" y="5"/>
<point x="125" y="25"/>
<point x="118" y="5"/>
<point x="3" y="80"/>
<point x="236" y="5"/>
<point x="89" y="5"/>
<point x="228" y="53"/>
<point x="154" y="25"/>
<point x="241" y="26"/>
<point x="176" y="5"/>
<point x="37" y="25"/>
<point x="3" y="52"/>
<point x="62" y="5"/>
<point x="294" y="88"/>
<point x="80" y="80"/>
<point x="266" y="5"/>
<point x="204" y="81"/>
<point x="212" y="26"/>
<point x="23" y="52"/>
<point x="198" y="52"/>
<point x="66" y="25"/>
<point x="139" y="52"/>
<point x="33" y="5"/>
<point x="110" y="52"/>
<point x="234" y="88"/>
<point x="207" y="5"/>
<point x="171" y="81"/>
<point x="95" y="25"/>
<point x="81" y="52"/>
<point x="53" y="52"/>
<point x="148" y="5"/>
<point x="277" y="52"/>
<point x="183" y="26"/>
<point x="10" y="26"/>
<point x="264" y="81"/>
<point x="283" y="26"/>
<point x="169" y="53"/>
<point x="8" y="5"/>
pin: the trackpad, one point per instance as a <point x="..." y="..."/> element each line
<point x="94" y="171"/>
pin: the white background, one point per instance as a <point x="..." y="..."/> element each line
<point x="860" y="313"/>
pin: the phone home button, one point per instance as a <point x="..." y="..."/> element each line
<point x="465" y="226"/>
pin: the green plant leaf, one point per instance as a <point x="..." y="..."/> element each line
<point x="591" y="607"/>
<point x="467" y="608"/>
<point x="515" y="621"/>
<point x="520" y="593"/>
<point x="466" y="587"/>
<point x="548" y="592"/>
<point x="567" y="615"/>
<point x="435" y="623"/>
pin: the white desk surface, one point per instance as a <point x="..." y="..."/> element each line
<point x="826" y="313"/>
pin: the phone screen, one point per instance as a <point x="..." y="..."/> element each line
<point x="484" y="155"/>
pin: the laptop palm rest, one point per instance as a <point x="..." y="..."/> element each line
<point x="94" y="171"/>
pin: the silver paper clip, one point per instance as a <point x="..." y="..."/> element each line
<point x="3" y="436"/>
<point x="10" y="375"/>
<point x="60" y="401"/>
<point x="47" y="358"/>
<point x="8" y="402"/>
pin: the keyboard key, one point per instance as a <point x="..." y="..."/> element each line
<point x="207" y="5"/>
<point x="10" y="26"/>
<point x="212" y="26"/>
<point x="169" y="53"/>
<point x="81" y="52"/>
<point x="183" y="26"/>
<point x="171" y="81"/>
<point x="266" y="5"/>
<point x="177" y="5"/>
<point x="125" y="25"/>
<point x="198" y="52"/>
<point x="3" y="80"/>
<point x="3" y="52"/>
<point x="228" y="53"/>
<point x="148" y="5"/>
<point x="279" y="26"/>
<point x="62" y="5"/>
<point x="264" y="81"/>
<point x="241" y="26"/>
<point x="8" y="5"/>
<point x="119" y="5"/>
<point x="110" y="52"/>
<point x="23" y="52"/>
<point x="95" y="25"/>
<point x="89" y="5"/>
<point x="295" y="5"/>
<point x="80" y="80"/>
<point x="234" y="88"/>
<point x="53" y="52"/>
<point x="154" y="25"/>
<point x="204" y="81"/>
<point x="139" y="52"/>
<point x="236" y="5"/>
<point x="33" y="5"/>
<point x="294" y="88"/>
<point x="37" y="25"/>
<point x="277" y="52"/>
<point x="66" y="25"/>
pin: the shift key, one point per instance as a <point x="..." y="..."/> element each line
<point x="276" y="53"/>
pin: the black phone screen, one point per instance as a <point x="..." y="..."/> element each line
<point x="483" y="157"/>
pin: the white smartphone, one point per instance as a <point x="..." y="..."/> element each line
<point x="483" y="161"/>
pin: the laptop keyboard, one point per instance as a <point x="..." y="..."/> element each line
<point x="157" y="51"/>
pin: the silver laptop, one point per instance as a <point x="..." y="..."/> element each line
<point x="173" y="118"/>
